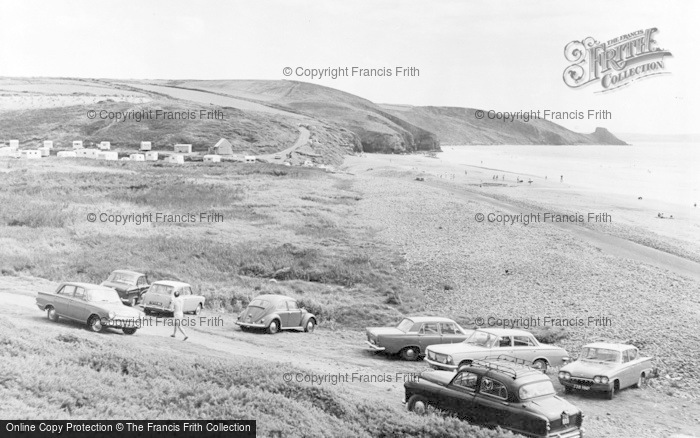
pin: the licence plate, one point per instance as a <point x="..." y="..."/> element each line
<point x="581" y="387"/>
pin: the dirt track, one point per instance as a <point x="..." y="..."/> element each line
<point x="325" y="353"/>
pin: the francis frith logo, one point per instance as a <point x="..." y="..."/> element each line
<point x="615" y="63"/>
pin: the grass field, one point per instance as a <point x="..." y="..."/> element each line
<point x="291" y="225"/>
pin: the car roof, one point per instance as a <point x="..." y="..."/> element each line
<point x="272" y="297"/>
<point x="418" y="319"/>
<point x="610" y="346"/>
<point x="507" y="370"/>
<point x="87" y="286"/>
<point x="505" y="332"/>
<point x="171" y="283"/>
<point x="126" y="271"/>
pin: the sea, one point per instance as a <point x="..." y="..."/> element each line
<point x="666" y="172"/>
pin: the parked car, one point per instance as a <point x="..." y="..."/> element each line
<point x="493" y="342"/>
<point x="606" y="368"/>
<point x="158" y="298"/>
<point x="497" y="393"/>
<point x="129" y="284"/>
<point x="412" y="336"/>
<point x="91" y="304"/>
<point x="274" y="313"/>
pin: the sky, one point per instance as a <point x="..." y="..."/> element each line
<point x="492" y="55"/>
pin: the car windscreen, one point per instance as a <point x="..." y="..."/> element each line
<point x="259" y="303"/>
<point x="536" y="389"/>
<point x="482" y="339"/>
<point x="600" y="354"/>
<point x="161" y="289"/>
<point x="123" y="277"/>
<point x="405" y="325"/>
<point x="103" y="296"/>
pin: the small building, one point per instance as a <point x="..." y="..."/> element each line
<point x="183" y="149"/>
<point x="145" y="146"/>
<point x="151" y="155"/>
<point x="223" y="147"/>
<point x="137" y="157"/>
<point x="308" y="163"/>
<point x="212" y="159"/>
<point x="105" y="146"/>
<point x="177" y="159"/>
<point x="14" y="145"/>
<point x="45" y="152"/>
<point x="48" y="144"/>
<point x="66" y="154"/>
<point x="77" y="144"/>
<point x="87" y="153"/>
<point x="249" y="159"/>
<point x="108" y="155"/>
<point x="31" y="154"/>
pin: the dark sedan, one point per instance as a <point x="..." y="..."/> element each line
<point x="129" y="285"/>
<point x="498" y="392"/>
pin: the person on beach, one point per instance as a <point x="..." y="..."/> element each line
<point x="561" y="178"/>
<point x="178" y="315"/>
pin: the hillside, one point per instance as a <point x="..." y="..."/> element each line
<point x="459" y="126"/>
<point x="378" y="130"/>
<point x="259" y="117"/>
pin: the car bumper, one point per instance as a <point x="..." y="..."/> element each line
<point x="250" y="324"/>
<point x="374" y="347"/>
<point x="575" y="432"/>
<point x="440" y="365"/>
<point x="586" y="386"/>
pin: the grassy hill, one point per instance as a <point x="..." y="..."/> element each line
<point x="459" y="126"/>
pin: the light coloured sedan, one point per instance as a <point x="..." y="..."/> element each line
<point x="161" y="293"/>
<point x="494" y="342"/>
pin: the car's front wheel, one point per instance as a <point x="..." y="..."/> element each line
<point x="410" y="353"/>
<point x="418" y="404"/>
<point x="310" y="326"/>
<point x="640" y="381"/>
<point x="274" y="327"/>
<point x="95" y="324"/>
<point x="198" y="310"/>
<point x="133" y="302"/>
<point x="51" y="314"/>
<point x="129" y="331"/>
<point x="611" y="394"/>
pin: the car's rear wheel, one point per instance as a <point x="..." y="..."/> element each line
<point x="51" y="314"/>
<point x="310" y="326"/>
<point x="274" y="327"/>
<point x="148" y="311"/>
<point x="198" y="310"/>
<point x="418" y="404"/>
<point x="410" y="353"/>
<point x="129" y="331"/>
<point x="541" y="365"/>
<point x="95" y="324"/>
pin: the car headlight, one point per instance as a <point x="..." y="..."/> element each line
<point x="600" y="379"/>
<point x="449" y="359"/>
<point x="111" y="314"/>
<point x="564" y="375"/>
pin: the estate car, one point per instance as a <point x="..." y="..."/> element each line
<point x="275" y="312"/>
<point x="497" y="393"/>
<point x="606" y="368"/>
<point x="160" y="294"/>
<point x="491" y="342"/>
<point x="91" y="304"/>
<point x="129" y="284"/>
<point x="412" y="336"/>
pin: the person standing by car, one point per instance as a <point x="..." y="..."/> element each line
<point x="178" y="315"/>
